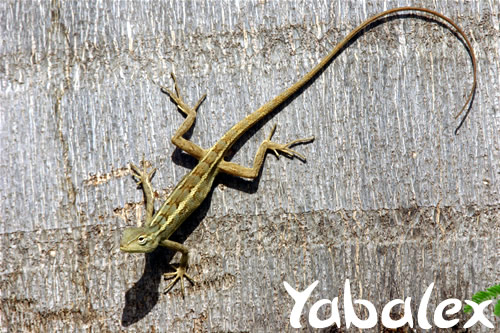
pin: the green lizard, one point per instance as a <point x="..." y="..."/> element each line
<point x="195" y="186"/>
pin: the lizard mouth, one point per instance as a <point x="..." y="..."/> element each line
<point x="123" y="248"/>
<point x="131" y="250"/>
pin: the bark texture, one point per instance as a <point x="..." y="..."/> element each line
<point x="389" y="197"/>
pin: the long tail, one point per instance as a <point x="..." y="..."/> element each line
<point x="237" y="130"/>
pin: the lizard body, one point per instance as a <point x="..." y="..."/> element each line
<point x="195" y="186"/>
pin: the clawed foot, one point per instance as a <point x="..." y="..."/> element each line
<point x="144" y="180"/>
<point x="143" y="175"/>
<point x="285" y="148"/>
<point x="179" y="274"/>
<point x="176" y="97"/>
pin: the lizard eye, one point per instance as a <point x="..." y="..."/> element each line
<point x="141" y="240"/>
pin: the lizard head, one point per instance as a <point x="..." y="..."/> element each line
<point x="138" y="239"/>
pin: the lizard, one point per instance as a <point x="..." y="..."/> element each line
<point x="192" y="190"/>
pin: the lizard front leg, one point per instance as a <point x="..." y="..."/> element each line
<point x="144" y="180"/>
<point x="242" y="171"/>
<point x="189" y="147"/>
<point x="180" y="271"/>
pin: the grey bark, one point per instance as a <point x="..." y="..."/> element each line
<point x="389" y="197"/>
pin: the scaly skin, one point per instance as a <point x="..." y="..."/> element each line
<point x="195" y="186"/>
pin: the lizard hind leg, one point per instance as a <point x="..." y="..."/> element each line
<point x="285" y="148"/>
<point x="242" y="171"/>
<point x="190" y="112"/>
<point x="183" y="107"/>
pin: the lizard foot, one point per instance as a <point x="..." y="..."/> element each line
<point x="179" y="274"/>
<point x="143" y="175"/>
<point x="176" y="97"/>
<point x="285" y="148"/>
<point x="144" y="180"/>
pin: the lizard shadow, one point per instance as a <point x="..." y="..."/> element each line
<point x="143" y="296"/>
<point x="251" y="186"/>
